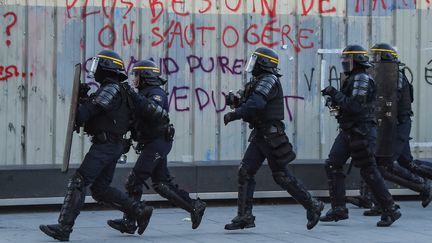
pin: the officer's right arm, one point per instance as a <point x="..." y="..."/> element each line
<point x="103" y="100"/>
<point x="148" y="107"/>
<point x="264" y="91"/>
<point x="354" y="103"/>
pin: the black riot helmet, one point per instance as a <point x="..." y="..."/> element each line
<point x="263" y="59"/>
<point x="149" y="73"/>
<point x="107" y="63"/>
<point x="384" y="52"/>
<point x="354" y="57"/>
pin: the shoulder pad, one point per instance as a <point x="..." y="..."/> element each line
<point x="361" y="84"/>
<point x="265" y="84"/>
<point x="362" y="77"/>
<point x="106" y="95"/>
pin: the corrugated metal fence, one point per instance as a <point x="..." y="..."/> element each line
<point x="201" y="46"/>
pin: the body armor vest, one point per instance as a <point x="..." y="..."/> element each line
<point x="274" y="109"/>
<point x="144" y="129"/>
<point x="368" y="111"/>
<point x="115" y="121"/>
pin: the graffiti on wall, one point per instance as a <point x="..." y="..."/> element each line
<point x="8" y="22"/>
<point x="428" y="72"/>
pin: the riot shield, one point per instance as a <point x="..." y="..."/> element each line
<point x="386" y="76"/>
<point x="71" y="120"/>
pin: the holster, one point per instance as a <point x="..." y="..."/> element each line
<point x="282" y="150"/>
<point x="361" y="152"/>
<point x="170" y="132"/>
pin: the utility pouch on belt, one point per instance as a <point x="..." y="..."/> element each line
<point x="281" y="147"/>
<point x="170" y="132"/>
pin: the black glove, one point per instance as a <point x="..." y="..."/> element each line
<point x="232" y="100"/>
<point x="330" y="91"/>
<point x="229" y="117"/>
<point x="83" y="90"/>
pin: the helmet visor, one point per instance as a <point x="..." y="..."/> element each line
<point x="347" y="62"/>
<point x="93" y="67"/>
<point x="251" y="63"/>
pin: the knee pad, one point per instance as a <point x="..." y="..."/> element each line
<point x="369" y="173"/>
<point x="361" y="154"/>
<point x="160" y="187"/>
<point x="98" y="193"/>
<point x="280" y="177"/>
<point x="331" y="168"/>
<point x="386" y="171"/>
<point x="133" y="185"/>
<point x="243" y="174"/>
<point x="76" y="190"/>
<point x="76" y="182"/>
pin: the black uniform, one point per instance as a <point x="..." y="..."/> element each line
<point x="356" y="138"/>
<point x="403" y="155"/>
<point x="404" y="172"/>
<point x="262" y="107"/>
<point x="105" y="116"/>
<point x="154" y="135"/>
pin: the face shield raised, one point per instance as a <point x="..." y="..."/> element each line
<point x="251" y="63"/>
<point x="93" y="67"/>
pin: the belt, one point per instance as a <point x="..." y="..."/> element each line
<point x="106" y="137"/>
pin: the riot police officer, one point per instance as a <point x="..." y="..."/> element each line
<point x="105" y="116"/>
<point x="154" y="134"/>
<point x="406" y="172"/>
<point x="356" y="138"/>
<point x="261" y="105"/>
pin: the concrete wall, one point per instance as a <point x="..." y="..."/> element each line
<point x="201" y="46"/>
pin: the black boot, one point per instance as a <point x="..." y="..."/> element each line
<point x="244" y="218"/>
<point x="313" y="214"/>
<point x="134" y="188"/>
<point x="241" y="222"/>
<point x="124" y="225"/>
<point x="197" y="212"/>
<point x="426" y="195"/>
<point x="375" y="210"/>
<point x="140" y="214"/>
<point x="56" y="231"/>
<point x="335" y="214"/>
<point x="143" y="214"/>
<point x="181" y="199"/>
<point x="336" y="184"/>
<point x="389" y="216"/>
<point x="70" y="210"/>
<point x="301" y="195"/>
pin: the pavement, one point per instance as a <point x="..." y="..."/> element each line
<point x="274" y="223"/>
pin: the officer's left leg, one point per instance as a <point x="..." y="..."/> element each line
<point x="288" y="182"/>
<point x="91" y="167"/>
<point x="162" y="184"/>
<point x="150" y="158"/>
<point x="252" y="161"/>
<point x="102" y="192"/>
<point x="363" y="157"/>
<point x="339" y="154"/>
